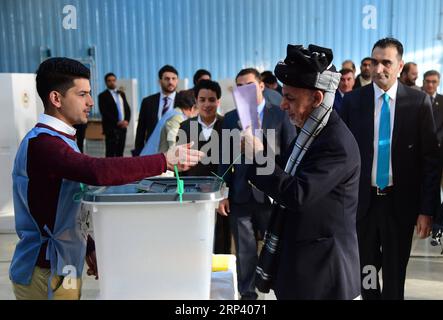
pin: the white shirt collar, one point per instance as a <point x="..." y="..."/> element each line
<point x="261" y="106"/>
<point x="113" y="91"/>
<point x="56" y="124"/>
<point x="204" y="124"/>
<point x="170" y="97"/>
<point x="392" y="92"/>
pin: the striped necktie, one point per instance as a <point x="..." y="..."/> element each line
<point x="165" y="105"/>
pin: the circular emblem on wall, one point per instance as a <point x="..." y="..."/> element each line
<point x="25" y="99"/>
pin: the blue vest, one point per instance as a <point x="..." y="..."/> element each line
<point x="66" y="248"/>
<point x="153" y="143"/>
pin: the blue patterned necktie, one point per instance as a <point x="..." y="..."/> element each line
<point x="117" y="102"/>
<point x="384" y="144"/>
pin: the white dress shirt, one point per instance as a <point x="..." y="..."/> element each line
<point x="260" y="111"/>
<point x="364" y="82"/>
<point x="56" y="124"/>
<point x="116" y="95"/>
<point x="378" y="102"/>
<point x="206" y="130"/>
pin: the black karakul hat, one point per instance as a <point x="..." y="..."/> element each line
<point x="302" y="67"/>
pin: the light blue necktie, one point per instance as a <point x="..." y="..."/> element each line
<point x="384" y="144"/>
<point x="117" y="102"/>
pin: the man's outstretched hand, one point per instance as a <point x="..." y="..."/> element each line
<point x="183" y="157"/>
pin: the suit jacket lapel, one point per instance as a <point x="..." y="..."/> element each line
<point x="156" y="106"/>
<point x="437" y="110"/>
<point x="401" y="100"/>
<point x="268" y="117"/>
<point x="368" y="109"/>
<point x="111" y="98"/>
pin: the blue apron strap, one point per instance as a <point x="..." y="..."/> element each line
<point x="51" y="255"/>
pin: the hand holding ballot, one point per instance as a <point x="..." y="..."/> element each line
<point x="245" y="98"/>
<point x="183" y="157"/>
<point x="251" y="144"/>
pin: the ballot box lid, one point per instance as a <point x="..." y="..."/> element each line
<point x="159" y="190"/>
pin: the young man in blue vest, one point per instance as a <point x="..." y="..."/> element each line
<point x="47" y="175"/>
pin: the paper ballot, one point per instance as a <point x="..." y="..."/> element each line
<point x="245" y="98"/>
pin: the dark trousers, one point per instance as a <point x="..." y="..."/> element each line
<point x="115" y="143"/>
<point x="222" y="235"/>
<point x="248" y="222"/>
<point x="384" y="240"/>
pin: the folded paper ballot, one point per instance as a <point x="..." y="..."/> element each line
<point x="245" y="98"/>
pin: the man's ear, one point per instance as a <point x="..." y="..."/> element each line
<point x="318" y="98"/>
<point x="55" y="99"/>
<point x="261" y="85"/>
<point x="401" y="65"/>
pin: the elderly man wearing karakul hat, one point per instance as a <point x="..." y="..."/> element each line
<point x="311" y="249"/>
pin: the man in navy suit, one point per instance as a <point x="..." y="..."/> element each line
<point x="248" y="209"/>
<point x="400" y="172"/>
<point x="346" y="84"/>
<point x="155" y="106"/>
<point x="431" y="81"/>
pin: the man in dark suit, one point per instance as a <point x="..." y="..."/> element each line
<point x="318" y="251"/>
<point x="400" y="172"/>
<point x="205" y="131"/>
<point x="346" y="83"/>
<point x="116" y="115"/>
<point x="155" y="106"/>
<point x="203" y="128"/>
<point x="364" y="78"/>
<point x="249" y="209"/>
<point x="409" y="75"/>
<point x="431" y="81"/>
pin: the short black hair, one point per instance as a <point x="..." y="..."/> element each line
<point x="431" y="73"/>
<point x="268" y="77"/>
<point x="246" y="71"/>
<point x="366" y="59"/>
<point x="110" y="74"/>
<point x="200" y="73"/>
<point x="346" y="71"/>
<point x="167" y="68"/>
<point x="58" y="74"/>
<point x="209" y="85"/>
<point x="389" y="42"/>
<point x="185" y="100"/>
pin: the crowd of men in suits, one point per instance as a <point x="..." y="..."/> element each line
<point x="397" y="126"/>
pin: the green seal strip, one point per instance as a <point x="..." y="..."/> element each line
<point x="180" y="185"/>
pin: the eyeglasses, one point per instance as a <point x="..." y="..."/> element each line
<point x="431" y="81"/>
